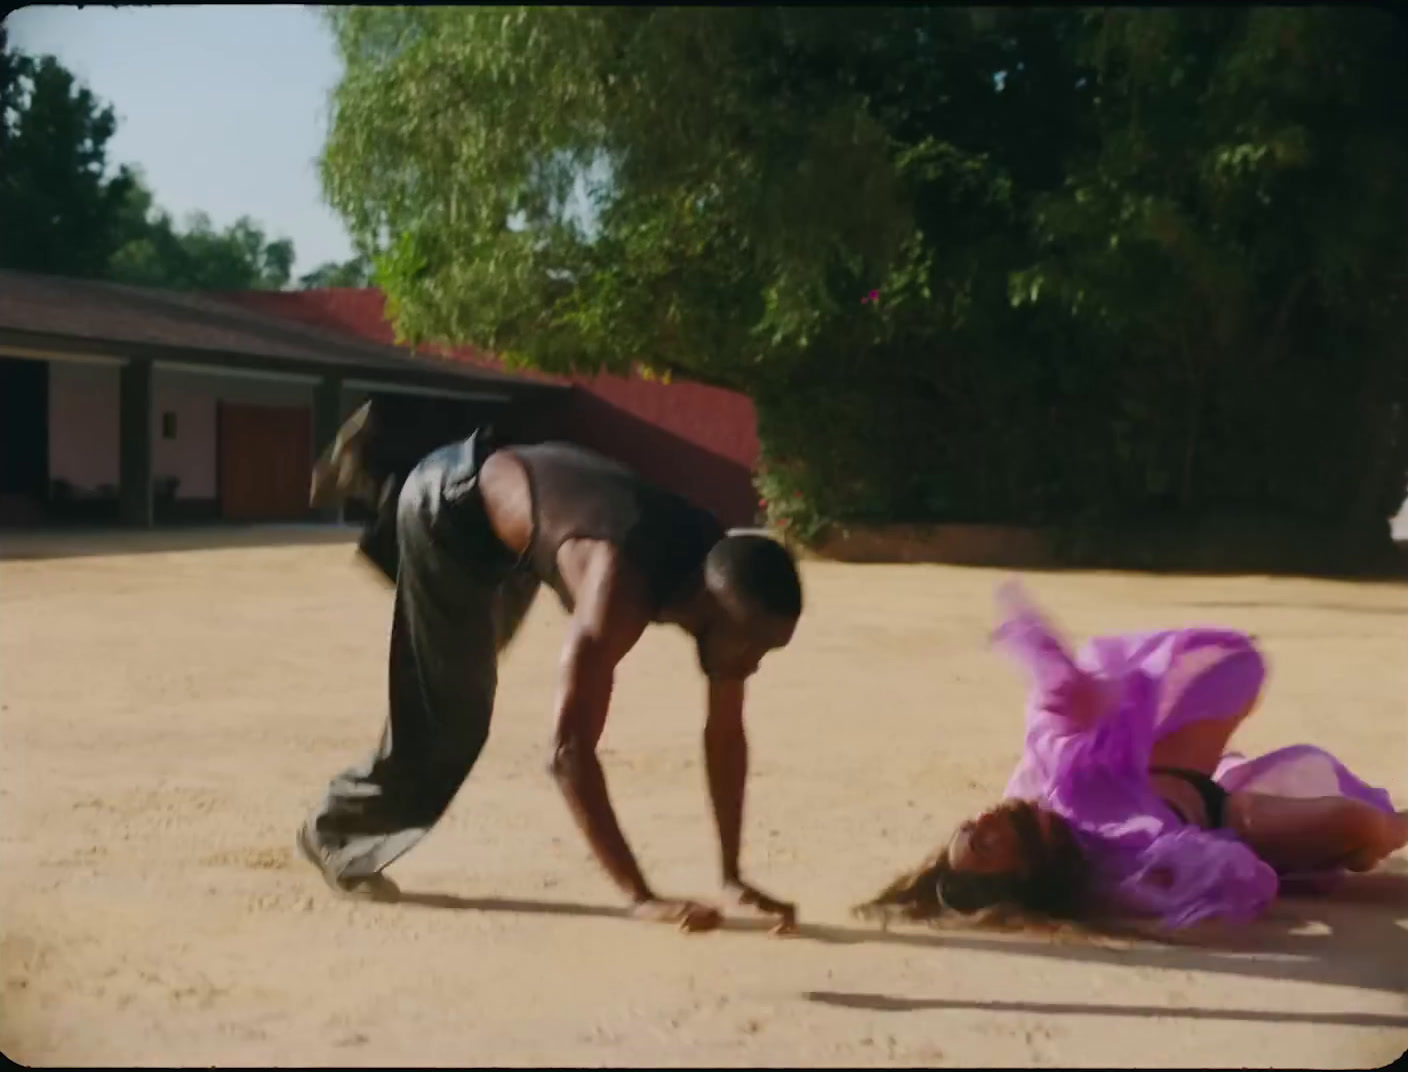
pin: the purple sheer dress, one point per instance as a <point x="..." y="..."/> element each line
<point x="1092" y="722"/>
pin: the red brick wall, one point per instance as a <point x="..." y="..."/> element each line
<point x="699" y="441"/>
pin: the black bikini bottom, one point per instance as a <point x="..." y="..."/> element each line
<point x="1214" y="796"/>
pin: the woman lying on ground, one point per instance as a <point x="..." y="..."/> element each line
<point x="1126" y="802"/>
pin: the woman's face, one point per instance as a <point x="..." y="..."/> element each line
<point x="985" y="845"/>
<point x="990" y="844"/>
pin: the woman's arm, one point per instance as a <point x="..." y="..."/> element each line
<point x="1061" y="690"/>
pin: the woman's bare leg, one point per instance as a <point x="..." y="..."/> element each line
<point x="1315" y="833"/>
<point x="1210" y="706"/>
<point x="1200" y="745"/>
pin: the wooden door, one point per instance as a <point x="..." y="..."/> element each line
<point x="266" y="461"/>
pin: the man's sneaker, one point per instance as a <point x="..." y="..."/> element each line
<point x="341" y="473"/>
<point x="366" y="888"/>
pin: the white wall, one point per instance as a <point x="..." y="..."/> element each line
<point x="190" y="456"/>
<point x="84" y="403"/>
<point x="193" y="398"/>
<point x="83" y="425"/>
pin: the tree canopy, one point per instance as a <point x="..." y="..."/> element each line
<point x="973" y="264"/>
<point x="63" y="208"/>
<point x="355" y="272"/>
<point x="697" y="189"/>
<point x="68" y="211"/>
<point x="1239" y="241"/>
<point x="198" y="257"/>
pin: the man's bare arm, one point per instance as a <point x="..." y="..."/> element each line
<point x="584" y="696"/>
<point x="610" y="617"/>
<point x="726" y="760"/>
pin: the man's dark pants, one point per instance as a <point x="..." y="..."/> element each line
<point x="460" y="598"/>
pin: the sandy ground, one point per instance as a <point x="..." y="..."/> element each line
<point x="166" y="718"/>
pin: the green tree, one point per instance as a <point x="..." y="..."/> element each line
<point x="742" y="193"/>
<point x="356" y="272"/>
<point x="754" y="176"/>
<point x="61" y="204"/>
<point x="65" y="211"/>
<point x="976" y="264"/>
<point x="1238" y="239"/>
<point x="198" y="257"/>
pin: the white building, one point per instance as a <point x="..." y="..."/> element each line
<point x="150" y="406"/>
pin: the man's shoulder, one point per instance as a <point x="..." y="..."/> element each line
<point x="562" y="448"/>
<point x="594" y="463"/>
<point x="613" y="589"/>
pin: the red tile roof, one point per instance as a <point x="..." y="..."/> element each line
<point x="723" y="422"/>
<point x="77" y="313"/>
<point x="361" y="313"/>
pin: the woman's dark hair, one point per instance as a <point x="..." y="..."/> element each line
<point x="1051" y="885"/>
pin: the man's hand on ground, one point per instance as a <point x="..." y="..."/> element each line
<point x="689" y="915"/>
<point x="743" y="895"/>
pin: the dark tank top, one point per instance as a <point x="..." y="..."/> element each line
<point x="577" y="494"/>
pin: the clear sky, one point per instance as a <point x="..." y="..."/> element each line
<point x="223" y="108"/>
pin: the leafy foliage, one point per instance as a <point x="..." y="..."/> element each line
<point x="356" y="272"/>
<point x="972" y="264"/>
<point x="1240" y="241"/>
<point x="62" y="206"/>
<point x="66" y="211"/>
<point x="199" y="257"/>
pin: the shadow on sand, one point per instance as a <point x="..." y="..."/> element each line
<point x="1354" y="938"/>
<point x="882" y="1003"/>
<point x="1346" y="608"/>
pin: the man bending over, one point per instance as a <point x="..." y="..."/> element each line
<point x="467" y="537"/>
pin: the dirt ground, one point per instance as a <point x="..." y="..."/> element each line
<point x="166" y="719"/>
